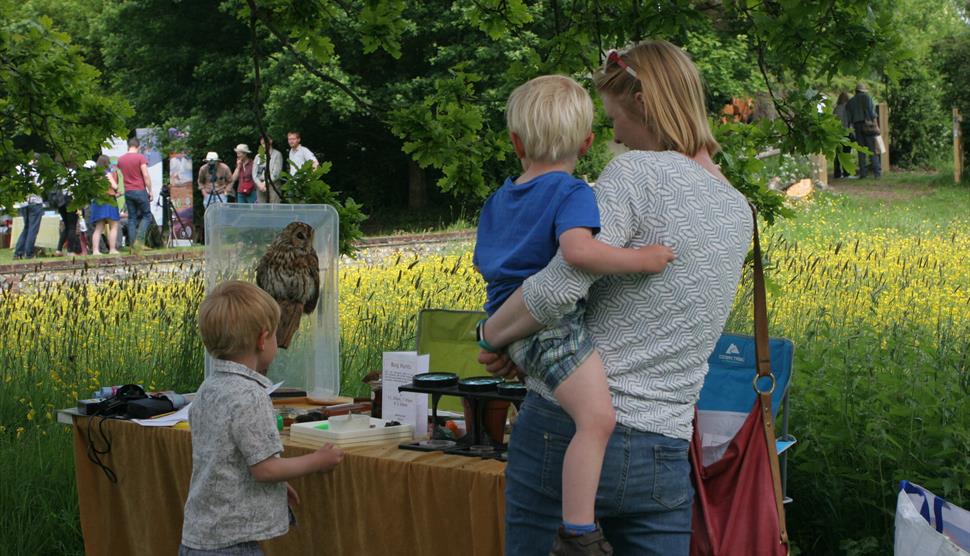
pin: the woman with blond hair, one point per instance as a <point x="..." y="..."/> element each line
<point x="654" y="332"/>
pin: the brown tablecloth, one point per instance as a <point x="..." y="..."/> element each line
<point x="380" y="500"/>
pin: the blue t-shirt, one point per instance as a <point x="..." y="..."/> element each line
<point x="520" y="225"/>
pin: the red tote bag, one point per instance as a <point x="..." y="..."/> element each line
<point x="738" y="508"/>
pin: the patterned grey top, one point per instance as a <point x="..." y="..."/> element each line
<point x="655" y="332"/>
<point x="233" y="427"/>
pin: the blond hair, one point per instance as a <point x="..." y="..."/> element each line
<point x="673" y="95"/>
<point x="552" y="115"/>
<point x="232" y="316"/>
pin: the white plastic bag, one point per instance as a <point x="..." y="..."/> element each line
<point x="927" y="525"/>
<point x="880" y="145"/>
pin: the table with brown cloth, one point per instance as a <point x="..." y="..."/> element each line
<point x="380" y="500"/>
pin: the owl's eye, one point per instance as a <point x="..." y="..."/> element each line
<point x="301" y="236"/>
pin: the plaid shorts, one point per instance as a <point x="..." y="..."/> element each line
<point x="552" y="354"/>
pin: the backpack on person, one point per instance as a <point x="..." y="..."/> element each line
<point x="58" y="198"/>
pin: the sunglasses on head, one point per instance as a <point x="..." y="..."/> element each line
<point x="614" y="57"/>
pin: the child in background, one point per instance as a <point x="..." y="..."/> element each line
<point x="238" y="495"/>
<point x="521" y="227"/>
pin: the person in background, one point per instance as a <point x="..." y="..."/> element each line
<point x="242" y="176"/>
<point x="859" y="109"/>
<point x="106" y="214"/>
<point x="843" y="116"/>
<point x="238" y="492"/>
<point x="299" y="155"/>
<point x="59" y="199"/>
<point x="265" y="192"/>
<point x="215" y="180"/>
<point x="654" y="333"/>
<point x="31" y="211"/>
<point x="133" y="166"/>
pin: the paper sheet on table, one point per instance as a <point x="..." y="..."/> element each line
<point x="173" y="419"/>
<point x="409" y="408"/>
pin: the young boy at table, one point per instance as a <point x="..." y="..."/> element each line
<point x="521" y="227"/>
<point x="238" y="495"/>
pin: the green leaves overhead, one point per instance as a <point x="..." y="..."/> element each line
<point x="52" y="110"/>
<point x="447" y="131"/>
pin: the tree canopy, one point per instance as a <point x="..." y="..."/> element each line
<point x="53" y="110"/>
<point x="399" y="94"/>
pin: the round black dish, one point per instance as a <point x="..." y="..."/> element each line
<point x="516" y="389"/>
<point x="479" y="384"/>
<point x="435" y="380"/>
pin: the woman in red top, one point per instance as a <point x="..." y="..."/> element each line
<point x="246" y="190"/>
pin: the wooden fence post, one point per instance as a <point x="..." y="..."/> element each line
<point x="957" y="147"/>
<point x="884" y="131"/>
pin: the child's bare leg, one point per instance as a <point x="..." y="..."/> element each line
<point x="96" y="238"/>
<point x="113" y="236"/>
<point x="585" y="396"/>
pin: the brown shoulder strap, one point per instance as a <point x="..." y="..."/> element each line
<point x="763" y="356"/>
<point x="760" y="305"/>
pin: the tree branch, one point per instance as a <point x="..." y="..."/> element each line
<point x="257" y="102"/>
<point x="305" y="62"/>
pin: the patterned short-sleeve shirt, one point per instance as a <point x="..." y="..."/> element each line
<point x="233" y="427"/>
<point x="655" y="332"/>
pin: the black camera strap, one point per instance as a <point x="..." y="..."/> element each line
<point x="111" y="408"/>
<point x="94" y="453"/>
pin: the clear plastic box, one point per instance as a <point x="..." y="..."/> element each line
<point x="237" y="236"/>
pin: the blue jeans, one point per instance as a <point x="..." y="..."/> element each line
<point x="869" y="142"/>
<point x="644" y="498"/>
<point x="250" y="548"/>
<point x="246" y="198"/>
<point x="139" y="211"/>
<point x="32" y="214"/>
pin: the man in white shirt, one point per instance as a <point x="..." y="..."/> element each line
<point x="299" y="154"/>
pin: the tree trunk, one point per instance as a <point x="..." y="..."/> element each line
<point x="417" y="186"/>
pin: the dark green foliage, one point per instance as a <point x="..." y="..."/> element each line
<point x="919" y="124"/>
<point x="954" y="54"/>
<point x="306" y="186"/>
<point x="869" y="417"/>
<point x="51" y="107"/>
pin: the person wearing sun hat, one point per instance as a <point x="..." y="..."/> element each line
<point x="215" y="180"/>
<point x="243" y="175"/>
<point x="859" y="109"/>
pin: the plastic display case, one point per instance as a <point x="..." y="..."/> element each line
<point x="237" y="236"/>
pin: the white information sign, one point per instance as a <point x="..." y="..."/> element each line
<point x="404" y="407"/>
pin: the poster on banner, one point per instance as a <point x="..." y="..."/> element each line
<point x="180" y="191"/>
<point x="405" y="407"/>
<point x="148" y="148"/>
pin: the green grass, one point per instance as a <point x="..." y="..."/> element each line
<point x="907" y="203"/>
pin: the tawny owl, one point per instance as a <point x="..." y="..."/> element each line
<point x="289" y="271"/>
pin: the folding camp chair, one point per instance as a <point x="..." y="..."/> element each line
<point x="727" y="395"/>
<point x="449" y="337"/>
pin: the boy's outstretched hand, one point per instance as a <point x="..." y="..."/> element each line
<point x="328" y="457"/>
<point x="655" y="258"/>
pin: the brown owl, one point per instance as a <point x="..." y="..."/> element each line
<point x="289" y="271"/>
